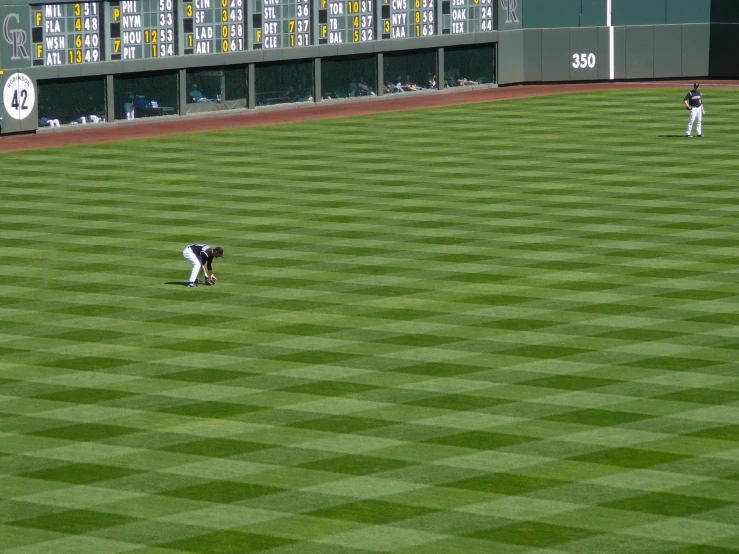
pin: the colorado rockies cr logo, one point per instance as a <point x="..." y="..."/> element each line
<point x="510" y="7"/>
<point x="15" y="37"/>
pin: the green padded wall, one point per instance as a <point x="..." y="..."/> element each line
<point x="696" y="44"/>
<point x="667" y="51"/>
<point x="549" y="54"/>
<point x="604" y="50"/>
<point x="619" y="52"/>
<point x="639" y="52"/>
<point x="510" y="57"/>
<point x="555" y="54"/>
<point x="584" y="42"/>
<point x="532" y="55"/>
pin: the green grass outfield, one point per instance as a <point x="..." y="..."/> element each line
<point x="494" y="328"/>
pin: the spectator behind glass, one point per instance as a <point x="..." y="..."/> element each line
<point x="363" y="88"/>
<point x="130" y="107"/>
<point x="46" y="122"/>
<point x="195" y="95"/>
<point x="431" y="81"/>
<point x="353" y="87"/>
<point x="91" y="112"/>
<point x="463" y="81"/>
<point x="408" y="84"/>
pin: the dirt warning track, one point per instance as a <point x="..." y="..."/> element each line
<point x="69" y="136"/>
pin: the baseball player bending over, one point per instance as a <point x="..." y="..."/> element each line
<point x="694" y="102"/>
<point x="201" y="256"/>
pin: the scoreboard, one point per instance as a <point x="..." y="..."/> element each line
<point x="281" y="23"/>
<point x="342" y="21"/>
<point x="214" y="26"/>
<point x="408" y="18"/>
<point x="90" y="32"/>
<point x="467" y="16"/>
<point x="142" y="29"/>
<point x="64" y="34"/>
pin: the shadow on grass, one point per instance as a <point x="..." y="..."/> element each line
<point x="181" y="283"/>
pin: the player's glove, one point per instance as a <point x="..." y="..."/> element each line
<point x="210" y="282"/>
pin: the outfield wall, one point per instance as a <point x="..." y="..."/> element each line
<point x="83" y="62"/>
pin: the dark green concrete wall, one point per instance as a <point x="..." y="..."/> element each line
<point x="543" y="14"/>
<point x="661" y="12"/>
<point x="547" y="14"/>
<point x="639" y="12"/>
<point x="688" y="11"/>
<point x="593" y="13"/>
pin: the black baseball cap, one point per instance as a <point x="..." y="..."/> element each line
<point x="696" y="85"/>
<point x="219" y="249"/>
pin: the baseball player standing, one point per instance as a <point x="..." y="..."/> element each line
<point x="694" y="102"/>
<point x="201" y="256"/>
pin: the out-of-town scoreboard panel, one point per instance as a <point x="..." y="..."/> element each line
<point x="343" y="21"/>
<point x="408" y="18"/>
<point x="467" y="16"/>
<point x="281" y="23"/>
<point x="142" y="29"/>
<point x="214" y="26"/>
<point x="91" y="32"/>
<point x="64" y="34"/>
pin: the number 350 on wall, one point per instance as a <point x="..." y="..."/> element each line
<point x="583" y="61"/>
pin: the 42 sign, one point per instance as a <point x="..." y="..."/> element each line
<point x="583" y="61"/>
<point x="19" y="96"/>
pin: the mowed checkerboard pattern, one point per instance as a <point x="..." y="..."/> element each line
<point x="506" y="327"/>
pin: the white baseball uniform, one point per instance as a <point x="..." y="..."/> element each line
<point x="695" y="101"/>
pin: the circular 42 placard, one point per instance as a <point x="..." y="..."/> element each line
<point x="19" y="96"/>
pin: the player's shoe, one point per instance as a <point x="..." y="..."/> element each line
<point x="192" y="284"/>
<point x="700" y="136"/>
<point x="688" y="136"/>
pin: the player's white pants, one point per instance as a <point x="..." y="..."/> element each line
<point x="696" y="116"/>
<point x="190" y="256"/>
